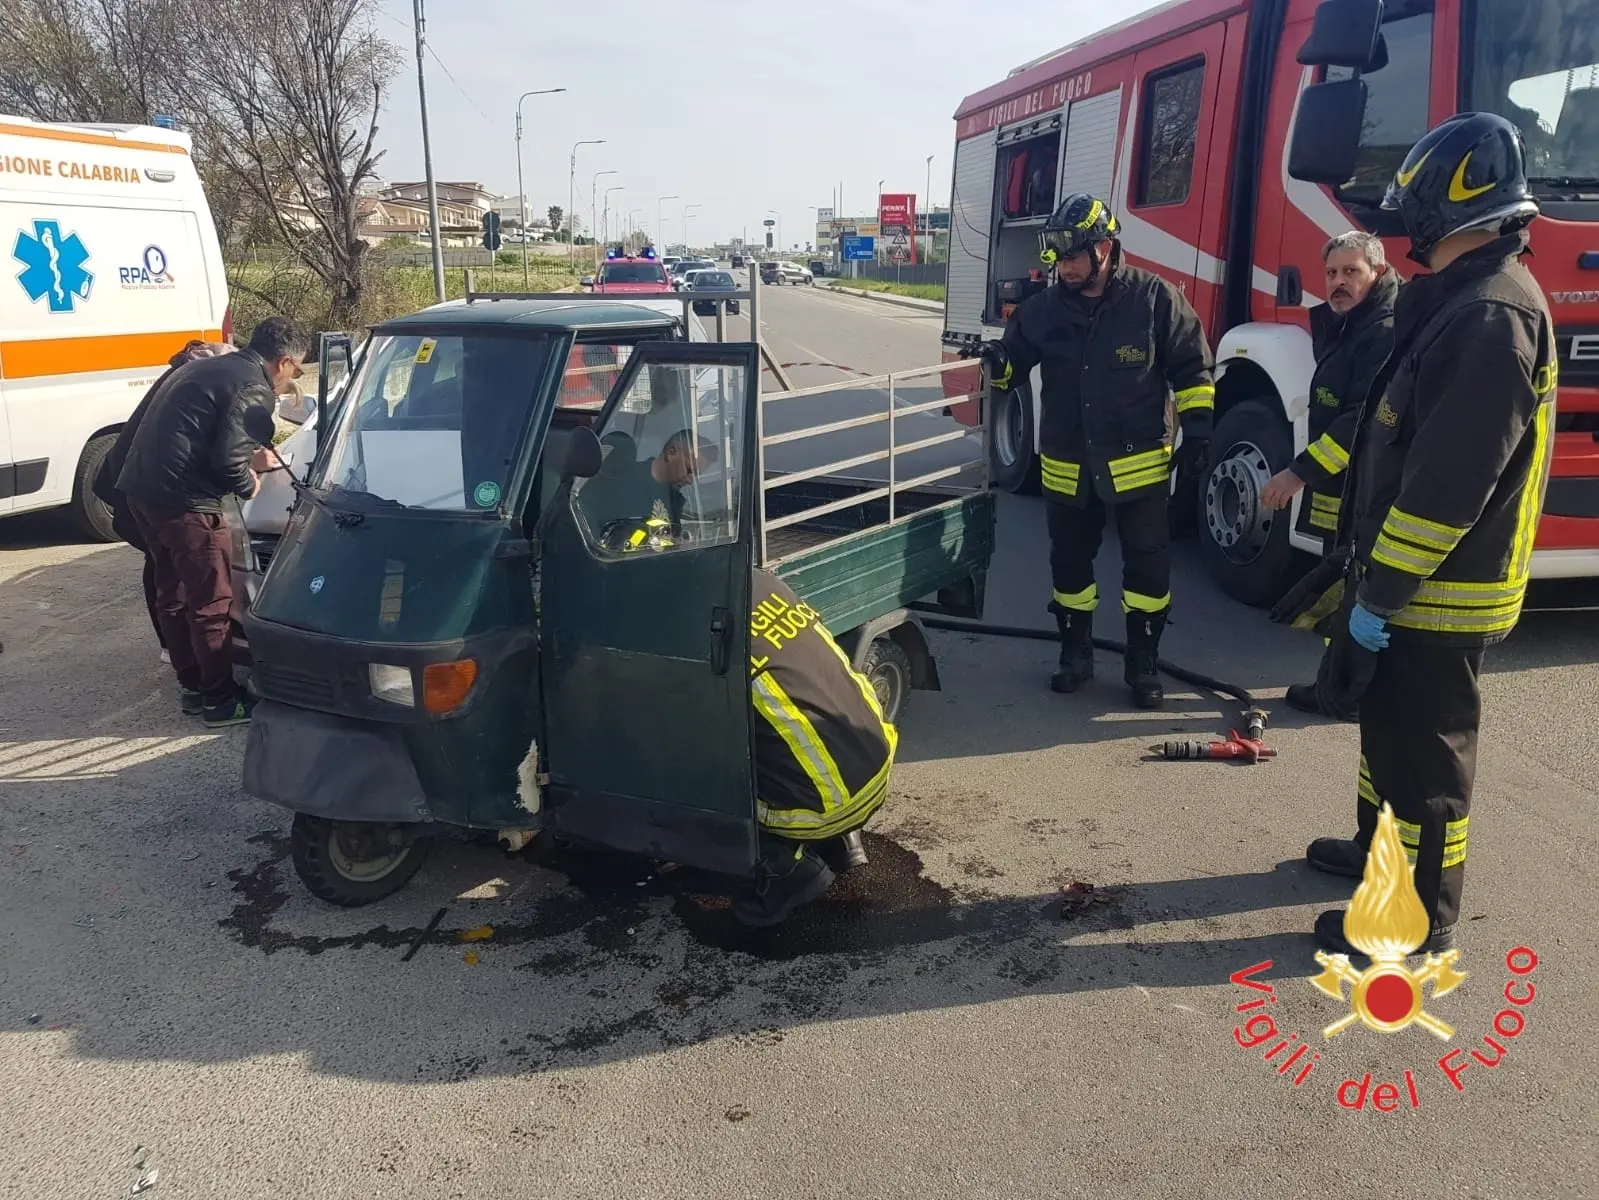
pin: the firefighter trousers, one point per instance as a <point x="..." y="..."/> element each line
<point x="1418" y="753"/>
<point x="1074" y="539"/>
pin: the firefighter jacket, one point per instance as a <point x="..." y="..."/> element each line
<point x="1450" y="473"/>
<point x="1110" y="368"/>
<point x="1350" y="351"/>
<point x="822" y="748"/>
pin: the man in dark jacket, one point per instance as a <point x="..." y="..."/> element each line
<point x="190" y="451"/>
<point x="114" y="498"/>
<point x="823" y="750"/>
<point x="1443" y="509"/>
<point x="1352" y="335"/>
<point x="1115" y="346"/>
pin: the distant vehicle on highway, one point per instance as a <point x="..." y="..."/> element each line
<point x="684" y="266"/>
<point x="785" y="272"/>
<point x="700" y="282"/>
<point x="818" y="266"/>
<point x="624" y="275"/>
<point x="736" y="261"/>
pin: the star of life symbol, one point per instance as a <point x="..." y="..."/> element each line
<point x="53" y="268"/>
<point x="1386" y="920"/>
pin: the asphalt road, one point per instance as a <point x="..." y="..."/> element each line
<point x="939" y="1025"/>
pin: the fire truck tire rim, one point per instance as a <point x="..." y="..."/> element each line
<point x="1009" y="428"/>
<point x="1238" y="523"/>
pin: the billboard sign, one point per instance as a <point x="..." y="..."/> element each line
<point x="896" y="214"/>
<point x="859" y="249"/>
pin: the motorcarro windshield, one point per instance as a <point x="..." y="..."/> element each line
<point x="1537" y="64"/>
<point x="434" y="421"/>
<point x="633" y="273"/>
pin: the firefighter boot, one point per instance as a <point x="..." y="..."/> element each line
<point x="1337" y="856"/>
<point x="1140" y="668"/>
<point x="1329" y="935"/>
<point x="783" y="883"/>
<point x="1076" y="649"/>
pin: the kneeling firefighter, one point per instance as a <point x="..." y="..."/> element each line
<point x="1448" y="484"/>
<point x="823" y="750"/>
<point x="1114" y="344"/>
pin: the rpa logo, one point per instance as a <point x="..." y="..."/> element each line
<point x="151" y="272"/>
<point x="53" y="266"/>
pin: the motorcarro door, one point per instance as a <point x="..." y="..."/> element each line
<point x="644" y="610"/>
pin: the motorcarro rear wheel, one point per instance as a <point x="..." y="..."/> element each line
<point x="351" y="863"/>
<point x="888" y="668"/>
<point x="1246" y="546"/>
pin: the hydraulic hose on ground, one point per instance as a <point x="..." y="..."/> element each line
<point x="1209" y="683"/>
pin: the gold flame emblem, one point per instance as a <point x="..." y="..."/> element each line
<point x="1388" y="922"/>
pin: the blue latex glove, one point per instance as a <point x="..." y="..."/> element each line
<point x="1368" y="629"/>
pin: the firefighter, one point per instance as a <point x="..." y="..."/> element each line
<point x="1351" y="334"/>
<point x="823" y="750"/>
<point x="1448" y="485"/>
<point x="1114" y="345"/>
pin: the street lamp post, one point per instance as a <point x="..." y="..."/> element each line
<point x="632" y="221"/>
<point x="605" y="221"/>
<point x="521" y="188"/>
<point x="879" y="242"/>
<point x="594" y="211"/>
<point x="927" y="206"/>
<point x="427" y="158"/>
<point x="686" y="215"/>
<point x="571" y="201"/>
<point x="660" y="223"/>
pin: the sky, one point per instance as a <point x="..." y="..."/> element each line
<point x="739" y="108"/>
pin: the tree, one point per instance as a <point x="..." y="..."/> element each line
<point x="281" y="98"/>
<point x="556" y="214"/>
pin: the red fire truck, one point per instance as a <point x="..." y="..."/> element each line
<point x="1186" y="119"/>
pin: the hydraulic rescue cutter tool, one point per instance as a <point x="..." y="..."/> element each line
<point x="1251" y="748"/>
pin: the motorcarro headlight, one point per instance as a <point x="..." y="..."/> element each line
<point x="391" y="683"/>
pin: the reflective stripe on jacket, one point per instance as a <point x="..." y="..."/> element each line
<point x="1350" y="352"/>
<point x="1454" y="459"/>
<point x="1111" y="369"/>
<point x="823" y="751"/>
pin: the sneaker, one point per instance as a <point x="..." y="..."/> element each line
<point x="1329" y="934"/>
<point x="191" y="702"/>
<point x="778" y="890"/>
<point x="1337" y="856"/>
<point x="233" y="712"/>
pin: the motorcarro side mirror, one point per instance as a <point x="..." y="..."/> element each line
<point x="584" y="455"/>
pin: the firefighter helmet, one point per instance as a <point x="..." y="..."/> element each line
<point x="1470" y="172"/>
<point x="1080" y="222"/>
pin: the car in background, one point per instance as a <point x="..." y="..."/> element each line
<point x="785" y="272"/>
<point x="818" y="266"/>
<point x="684" y="266"/>
<point x="718" y="280"/>
<point x="736" y="261"/>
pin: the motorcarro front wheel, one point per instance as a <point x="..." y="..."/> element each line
<point x="351" y="863"/>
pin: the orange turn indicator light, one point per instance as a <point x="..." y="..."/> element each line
<point x="445" y="685"/>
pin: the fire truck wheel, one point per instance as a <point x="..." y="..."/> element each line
<point x="1012" y="460"/>
<point x="1245" y="546"/>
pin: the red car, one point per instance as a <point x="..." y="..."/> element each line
<point x="641" y="275"/>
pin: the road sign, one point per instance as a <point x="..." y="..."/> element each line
<point x="859" y="249"/>
<point x="491" y="231"/>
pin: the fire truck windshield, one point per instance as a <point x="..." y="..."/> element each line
<point x="1538" y="65"/>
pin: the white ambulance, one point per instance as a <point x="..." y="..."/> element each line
<point x="111" y="264"/>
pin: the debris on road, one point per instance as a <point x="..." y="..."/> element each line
<point x="481" y="933"/>
<point x="471" y="958"/>
<point x="1078" y="897"/>
<point x="35" y="1018"/>
<point x="424" y="935"/>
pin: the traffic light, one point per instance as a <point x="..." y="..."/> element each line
<point x="491" y="231"/>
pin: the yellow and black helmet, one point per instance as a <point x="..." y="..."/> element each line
<point x="1470" y="172"/>
<point x="1080" y="222"/>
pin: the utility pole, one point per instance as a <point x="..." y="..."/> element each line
<point x="571" y="202"/>
<point x="427" y="156"/>
<point x="605" y="223"/>
<point x="686" y="215"/>
<point x="521" y="188"/>
<point x="660" y="227"/>
<point x="928" y="208"/>
<point x="594" y="212"/>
